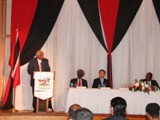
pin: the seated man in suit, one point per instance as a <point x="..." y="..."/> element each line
<point x="79" y="81"/>
<point x="149" y="80"/>
<point x="101" y="81"/>
<point x="153" y="111"/>
<point x="117" y="109"/>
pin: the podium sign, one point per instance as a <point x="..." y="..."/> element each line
<point x="43" y="87"/>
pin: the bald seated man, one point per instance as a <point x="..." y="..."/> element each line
<point x="79" y="81"/>
<point x="72" y="109"/>
<point x="39" y="63"/>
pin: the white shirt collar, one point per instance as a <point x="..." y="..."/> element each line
<point x="39" y="61"/>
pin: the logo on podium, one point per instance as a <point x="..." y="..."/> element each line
<point x="43" y="88"/>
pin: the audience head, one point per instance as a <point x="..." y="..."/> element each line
<point x="118" y="106"/>
<point x="40" y="54"/>
<point x="80" y="73"/>
<point x="149" y="76"/>
<point x="102" y="73"/>
<point x="152" y="111"/>
<point x="72" y="109"/>
<point x="83" y="114"/>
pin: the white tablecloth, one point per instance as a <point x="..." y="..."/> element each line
<point x="98" y="100"/>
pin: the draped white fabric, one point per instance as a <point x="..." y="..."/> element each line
<point x="138" y="52"/>
<point x="72" y="45"/>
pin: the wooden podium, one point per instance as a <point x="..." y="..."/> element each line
<point x="43" y="90"/>
<point x="42" y="105"/>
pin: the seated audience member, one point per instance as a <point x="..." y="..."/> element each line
<point x="153" y="111"/>
<point x="83" y="114"/>
<point x="101" y="81"/>
<point x="117" y="109"/>
<point x="79" y="81"/>
<point x="149" y="80"/>
<point x="72" y="109"/>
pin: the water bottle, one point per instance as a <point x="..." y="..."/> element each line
<point x="75" y="85"/>
<point x="71" y="85"/>
<point x="99" y="85"/>
<point x="155" y="89"/>
<point x="104" y="84"/>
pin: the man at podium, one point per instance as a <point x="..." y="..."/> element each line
<point x="39" y="63"/>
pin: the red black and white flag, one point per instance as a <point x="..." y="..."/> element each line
<point x="14" y="76"/>
<point x="15" y="69"/>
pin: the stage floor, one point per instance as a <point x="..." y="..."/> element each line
<point x="29" y="115"/>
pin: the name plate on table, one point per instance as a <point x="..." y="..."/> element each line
<point x="105" y="88"/>
<point x="81" y="87"/>
<point x="43" y="87"/>
<point x="124" y="89"/>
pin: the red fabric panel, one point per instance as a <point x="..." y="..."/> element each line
<point x="108" y="12"/>
<point x="22" y="16"/>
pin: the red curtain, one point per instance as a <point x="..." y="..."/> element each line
<point x="108" y="12"/>
<point x="21" y="18"/>
<point x="21" y="21"/>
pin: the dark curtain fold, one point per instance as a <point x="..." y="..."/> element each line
<point x="156" y="4"/>
<point x="45" y="17"/>
<point x="91" y="12"/>
<point x="126" y="13"/>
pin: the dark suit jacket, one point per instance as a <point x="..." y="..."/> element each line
<point x="33" y="66"/>
<point x="97" y="82"/>
<point x="115" y="118"/>
<point x="153" y="82"/>
<point x="74" y="82"/>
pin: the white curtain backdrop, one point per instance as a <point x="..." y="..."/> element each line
<point x="138" y="52"/>
<point x="72" y="45"/>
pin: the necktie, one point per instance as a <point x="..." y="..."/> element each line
<point x="40" y="67"/>
<point x="79" y="82"/>
<point x="101" y="82"/>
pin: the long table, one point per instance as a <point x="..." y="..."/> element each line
<point x="98" y="100"/>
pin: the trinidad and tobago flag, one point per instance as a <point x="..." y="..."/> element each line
<point x="14" y="76"/>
